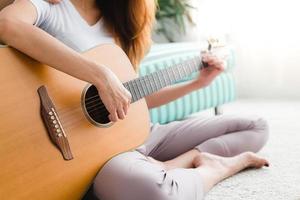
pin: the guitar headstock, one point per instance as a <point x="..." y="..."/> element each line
<point x="218" y="48"/>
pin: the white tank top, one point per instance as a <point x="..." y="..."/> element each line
<point x="64" y="22"/>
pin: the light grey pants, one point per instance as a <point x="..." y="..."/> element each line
<point x="130" y="176"/>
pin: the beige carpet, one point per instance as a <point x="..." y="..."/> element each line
<point x="282" y="180"/>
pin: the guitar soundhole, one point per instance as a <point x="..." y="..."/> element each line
<point x="93" y="107"/>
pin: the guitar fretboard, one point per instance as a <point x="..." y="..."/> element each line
<point x="145" y="85"/>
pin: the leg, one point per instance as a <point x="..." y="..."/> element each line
<point x="225" y="135"/>
<point x="185" y="160"/>
<point x="252" y="138"/>
<point x="130" y="176"/>
<point x="213" y="168"/>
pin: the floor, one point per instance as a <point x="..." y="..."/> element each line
<point x="282" y="180"/>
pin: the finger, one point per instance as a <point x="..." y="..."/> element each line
<point x="121" y="114"/>
<point x="217" y="64"/>
<point x="208" y="61"/>
<point x="214" y="62"/>
<point x="125" y="108"/>
<point x="128" y="96"/>
<point x="113" y="117"/>
<point x="205" y="57"/>
<point x="220" y="65"/>
<point x="211" y="58"/>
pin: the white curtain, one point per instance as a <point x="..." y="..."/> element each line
<point x="266" y="36"/>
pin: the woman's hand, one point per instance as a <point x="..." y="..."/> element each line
<point x="114" y="95"/>
<point x="208" y="74"/>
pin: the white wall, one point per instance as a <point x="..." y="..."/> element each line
<point x="266" y="34"/>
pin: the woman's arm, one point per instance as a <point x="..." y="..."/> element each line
<point x="17" y="30"/>
<point x="171" y="93"/>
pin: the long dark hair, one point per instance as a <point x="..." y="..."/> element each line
<point x="130" y="22"/>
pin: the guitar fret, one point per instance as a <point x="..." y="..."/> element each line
<point x="160" y="81"/>
<point x="189" y="67"/>
<point x="132" y="91"/>
<point x="164" y="78"/>
<point x="196" y="63"/>
<point x="182" y="75"/>
<point x="126" y="86"/>
<point x="135" y="90"/>
<point x="185" y="70"/>
<point x="172" y="74"/>
<point x="150" y="83"/>
<point x="194" y="67"/>
<point x="178" y="70"/>
<point x="147" y="85"/>
<point x="154" y="82"/>
<point x="168" y="75"/>
<point x="157" y="82"/>
<point x="138" y="88"/>
<point x="141" y="84"/>
<point x="165" y="74"/>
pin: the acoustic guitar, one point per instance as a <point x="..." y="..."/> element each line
<point x="55" y="134"/>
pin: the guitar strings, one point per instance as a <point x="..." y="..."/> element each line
<point x="99" y="106"/>
<point x="90" y="101"/>
<point x="193" y="60"/>
<point x="98" y="111"/>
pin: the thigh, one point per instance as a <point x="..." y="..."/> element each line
<point x="178" y="137"/>
<point x="130" y="176"/>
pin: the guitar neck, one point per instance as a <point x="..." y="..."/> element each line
<point x="146" y="85"/>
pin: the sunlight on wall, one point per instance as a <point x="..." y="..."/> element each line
<point x="265" y="34"/>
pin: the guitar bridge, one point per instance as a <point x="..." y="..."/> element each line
<point x="53" y="125"/>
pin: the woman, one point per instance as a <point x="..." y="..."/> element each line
<point x="182" y="160"/>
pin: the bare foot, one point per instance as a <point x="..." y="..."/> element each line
<point x="247" y="159"/>
<point x="213" y="168"/>
<point x="256" y="161"/>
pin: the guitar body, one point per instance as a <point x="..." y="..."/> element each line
<point x="31" y="166"/>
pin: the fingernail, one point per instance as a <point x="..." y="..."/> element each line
<point x="267" y="165"/>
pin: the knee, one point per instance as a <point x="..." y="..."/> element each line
<point x="127" y="178"/>
<point x="261" y="126"/>
<point x="144" y="185"/>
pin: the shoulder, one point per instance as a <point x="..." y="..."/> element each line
<point x="48" y="13"/>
